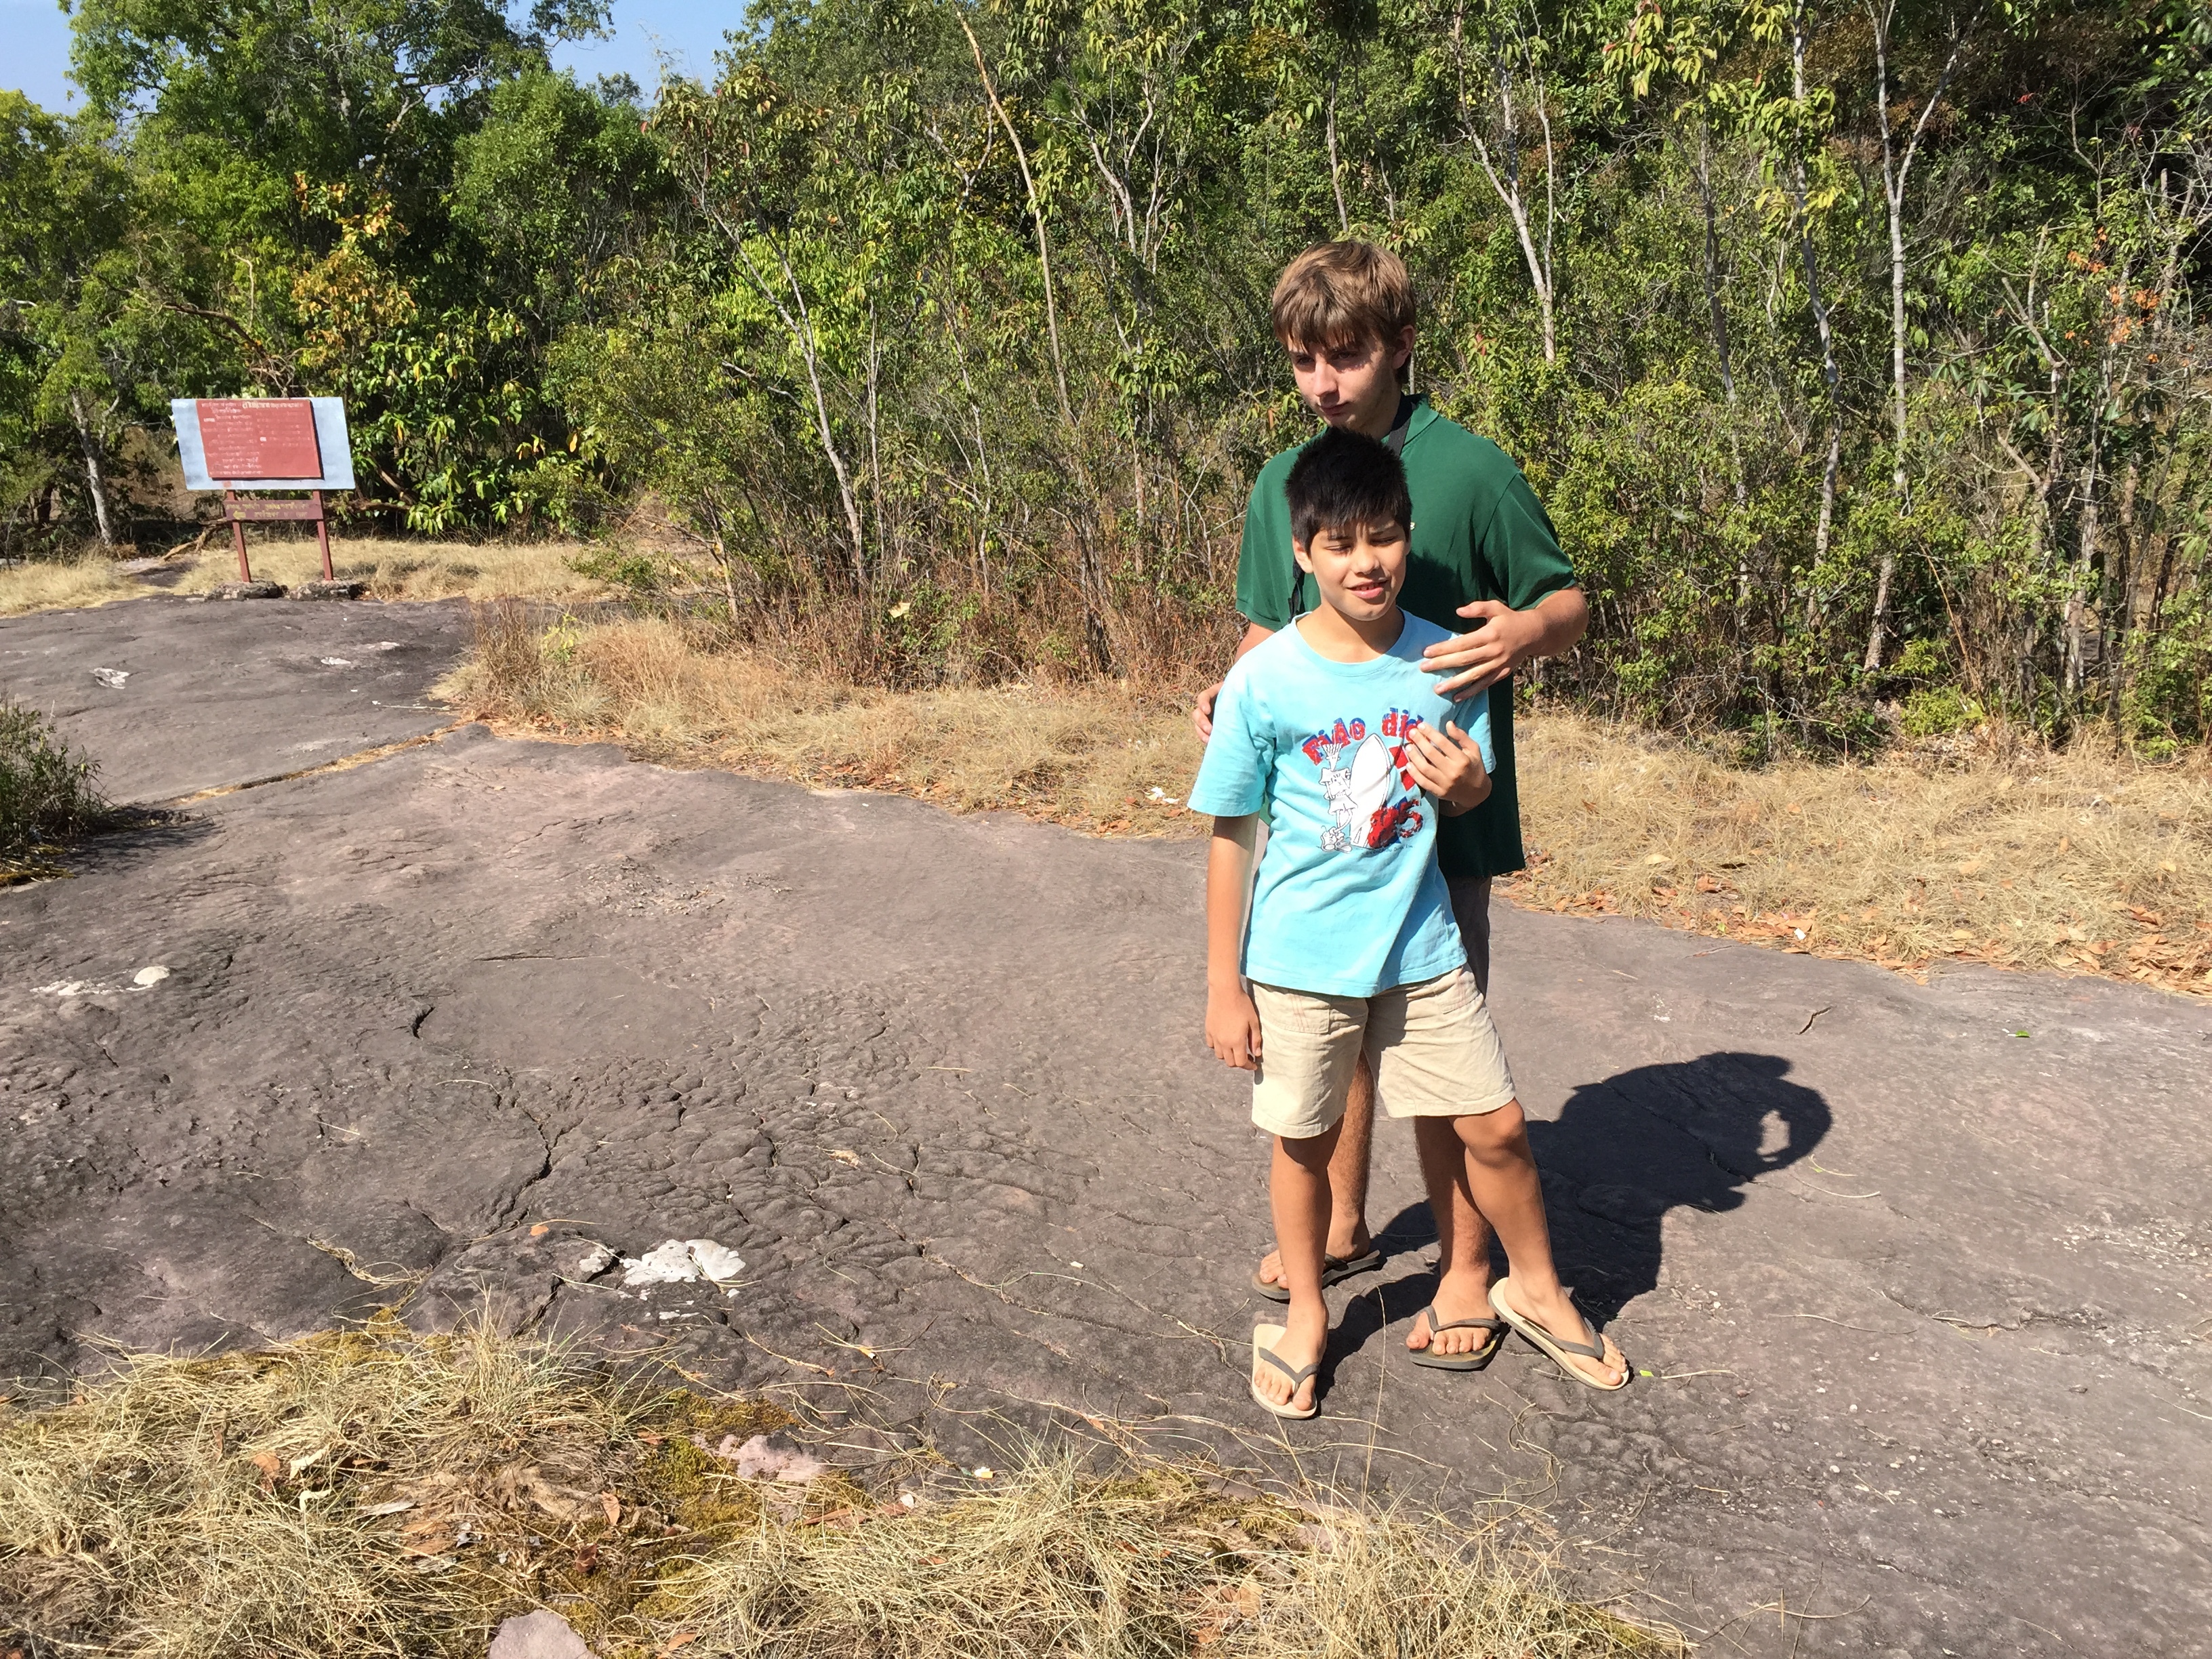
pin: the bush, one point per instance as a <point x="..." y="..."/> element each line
<point x="47" y="792"/>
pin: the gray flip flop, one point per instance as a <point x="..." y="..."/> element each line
<point x="1334" y="1270"/>
<point x="1557" y="1348"/>
<point x="1458" y="1362"/>
<point x="1264" y="1338"/>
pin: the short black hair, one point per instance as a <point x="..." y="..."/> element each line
<point x="1346" y="481"/>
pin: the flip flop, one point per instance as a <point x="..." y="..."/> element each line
<point x="1264" y="1338"/>
<point x="1334" y="1270"/>
<point x="1557" y="1348"/>
<point x="1458" y="1362"/>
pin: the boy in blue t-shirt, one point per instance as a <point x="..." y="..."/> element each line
<point x="1332" y="732"/>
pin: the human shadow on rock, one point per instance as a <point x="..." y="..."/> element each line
<point x="1692" y="1133"/>
<point x="1619" y="1156"/>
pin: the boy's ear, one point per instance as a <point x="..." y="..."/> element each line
<point x="1298" y="552"/>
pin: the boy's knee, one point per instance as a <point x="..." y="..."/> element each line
<point x="1311" y="1152"/>
<point x="1495" y="1133"/>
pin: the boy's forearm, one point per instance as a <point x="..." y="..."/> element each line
<point x="1566" y="616"/>
<point x="1228" y="884"/>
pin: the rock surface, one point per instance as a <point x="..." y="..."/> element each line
<point x="1920" y="1304"/>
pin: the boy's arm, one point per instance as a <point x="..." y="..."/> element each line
<point x="1543" y="613"/>
<point x="1232" y="1022"/>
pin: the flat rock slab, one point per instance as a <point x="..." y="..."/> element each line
<point x="219" y="694"/>
<point x="1918" y="1303"/>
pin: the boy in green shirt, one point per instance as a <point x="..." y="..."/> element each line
<point x="1483" y="559"/>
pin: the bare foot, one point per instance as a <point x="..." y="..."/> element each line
<point x="1271" y="1265"/>
<point x="1557" y="1315"/>
<point x="1458" y="1296"/>
<point x="1302" y="1344"/>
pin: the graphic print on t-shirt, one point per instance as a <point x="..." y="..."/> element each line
<point x="1359" y="788"/>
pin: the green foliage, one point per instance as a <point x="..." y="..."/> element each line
<point x="46" y="791"/>
<point x="951" y="321"/>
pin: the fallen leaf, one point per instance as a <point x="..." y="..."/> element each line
<point x="612" y="1505"/>
<point x="2065" y="843"/>
<point x="587" y="1557"/>
<point x="269" y="1465"/>
<point x="844" y="1157"/>
<point x="539" y="1231"/>
<point x="681" y="1639"/>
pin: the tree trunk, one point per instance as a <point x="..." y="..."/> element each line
<point x="1335" y="168"/>
<point x="1825" y="528"/>
<point x="95" y="481"/>
<point x="1036" y="214"/>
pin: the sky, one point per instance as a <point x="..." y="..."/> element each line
<point x="35" y="60"/>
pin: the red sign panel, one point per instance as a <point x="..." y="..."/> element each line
<point x="259" y="438"/>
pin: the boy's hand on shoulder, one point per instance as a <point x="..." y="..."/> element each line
<point x="1232" y="1026"/>
<point x="1449" y="765"/>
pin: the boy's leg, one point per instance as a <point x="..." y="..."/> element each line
<point x="1347" y="1179"/>
<point x="1482" y="1163"/>
<point x="1299" y="1192"/>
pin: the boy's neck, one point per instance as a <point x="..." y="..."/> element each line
<point x="1341" y="638"/>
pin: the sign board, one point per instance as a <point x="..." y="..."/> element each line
<point x="263" y="443"/>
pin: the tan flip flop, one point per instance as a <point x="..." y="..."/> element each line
<point x="1557" y="1348"/>
<point x="1264" y="1338"/>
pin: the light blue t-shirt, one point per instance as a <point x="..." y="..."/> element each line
<point x="1349" y="899"/>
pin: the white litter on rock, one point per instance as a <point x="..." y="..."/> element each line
<point x="593" y="1262"/>
<point x="383" y="645"/>
<point x="335" y="662"/>
<point x="682" y="1261"/>
<point x="112" y="678"/>
<point x="153" y="976"/>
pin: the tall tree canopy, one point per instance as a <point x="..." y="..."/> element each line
<point x="1851" y="343"/>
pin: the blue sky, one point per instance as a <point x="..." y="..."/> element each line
<point x="689" y="32"/>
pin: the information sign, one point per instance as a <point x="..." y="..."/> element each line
<point x="235" y="444"/>
<point x="250" y="439"/>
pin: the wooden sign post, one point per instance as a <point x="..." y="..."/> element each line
<point x="235" y="444"/>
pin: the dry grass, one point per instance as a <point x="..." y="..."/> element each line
<point x="53" y="585"/>
<point x="373" y="1492"/>
<point x="405" y="569"/>
<point x="1088" y="757"/>
<point x="2083" y="862"/>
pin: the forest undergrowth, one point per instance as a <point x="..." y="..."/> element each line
<point x="1987" y="847"/>
<point x="372" y="1491"/>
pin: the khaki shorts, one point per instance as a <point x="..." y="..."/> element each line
<point x="1434" y="1052"/>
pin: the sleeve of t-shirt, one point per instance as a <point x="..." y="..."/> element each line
<point x="1520" y="547"/>
<point x="1265" y="566"/>
<point x="1233" y="779"/>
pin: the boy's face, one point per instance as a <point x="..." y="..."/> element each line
<point x="1358" y="571"/>
<point x="1352" y="384"/>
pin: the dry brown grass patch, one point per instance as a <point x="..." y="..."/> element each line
<point x="55" y="584"/>
<point x="1091" y="758"/>
<point x="2080" y="861"/>
<point x="405" y="569"/>
<point x="375" y="1493"/>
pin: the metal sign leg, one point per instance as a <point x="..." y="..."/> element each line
<point x="322" y="534"/>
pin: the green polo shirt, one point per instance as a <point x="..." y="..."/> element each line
<point x="1478" y="534"/>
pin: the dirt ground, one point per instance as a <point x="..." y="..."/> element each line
<point x="1915" y="1277"/>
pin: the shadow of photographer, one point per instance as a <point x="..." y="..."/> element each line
<point x="1622" y="1153"/>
